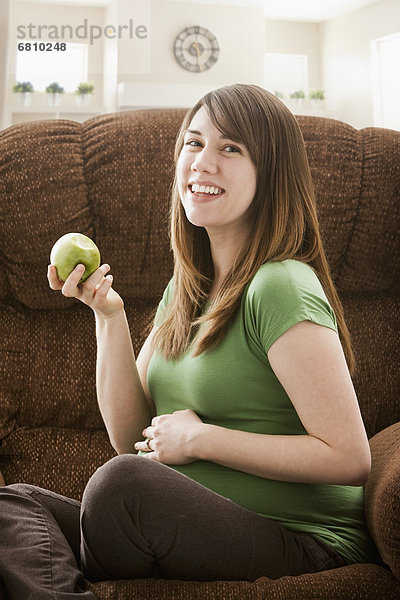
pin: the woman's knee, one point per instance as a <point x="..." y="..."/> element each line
<point x="20" y="488"/>
<point x="14" y="494"/>
<point x="108" y="483"/>
<point x="112" y="542"/>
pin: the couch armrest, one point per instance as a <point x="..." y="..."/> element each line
<point x="382" y="495"/>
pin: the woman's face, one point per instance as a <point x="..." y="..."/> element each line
<point x="216" y="178"/>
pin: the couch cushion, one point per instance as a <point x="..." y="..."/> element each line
<point x="373" y="323"/>
<point x="356" y="582"/>
<point x="372" y="260"/>
<point x="336" y="161"/>
<point x="108" y="178"/>
<point x="42" y="193"/>
<point x="129" y="171"/>
<point x="382" y="495"/>
<point x="61" y="460"/>
<point x="356" y="176"/>
<point x="48" y="366"/>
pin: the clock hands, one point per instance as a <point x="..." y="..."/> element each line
<point x="196" y="49"/>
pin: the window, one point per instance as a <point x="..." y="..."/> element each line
<point x="386" y="82"/>
<point x="285" y="73"/>
<point x="68" y="67"/>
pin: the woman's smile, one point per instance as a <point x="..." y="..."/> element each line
<point x="205" y="191"/>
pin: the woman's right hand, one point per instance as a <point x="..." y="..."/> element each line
<point x="96" y="291"/>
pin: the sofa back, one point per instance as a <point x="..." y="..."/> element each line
<point x="110" y="178"/>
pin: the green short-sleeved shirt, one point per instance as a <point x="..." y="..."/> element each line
<point x="234" y="386"/>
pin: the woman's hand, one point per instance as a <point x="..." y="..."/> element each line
<point x="96" y="291"/>
<point x="172" y="438"/>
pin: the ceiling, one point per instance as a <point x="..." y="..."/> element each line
<point x="311" y="10"/>
<point x="285" y="10"/>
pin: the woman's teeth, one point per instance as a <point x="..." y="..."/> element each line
<point x="206" y="189"/>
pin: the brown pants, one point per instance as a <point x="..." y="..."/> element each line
<point x="138" y="519"/>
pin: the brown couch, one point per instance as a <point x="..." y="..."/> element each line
<point x="110" y="179"/>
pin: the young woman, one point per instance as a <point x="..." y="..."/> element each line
<point x="255" y="451"/>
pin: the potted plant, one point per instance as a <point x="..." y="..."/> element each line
<point x="23" y="91"/>
<point x="83" y="93"/>
<point x="54" y="91"/>
<point x="317" y="97"/>
<point x="298" y="94"/>
<point x="298" y="97"/>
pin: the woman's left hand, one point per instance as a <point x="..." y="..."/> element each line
<point x="172" y="437"/>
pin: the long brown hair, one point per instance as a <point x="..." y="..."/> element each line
<point x="282" y="216"/>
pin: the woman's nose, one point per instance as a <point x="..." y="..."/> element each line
<point x="205" y="161"/>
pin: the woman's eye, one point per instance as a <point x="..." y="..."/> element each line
<point x="232" y="149"/>
<point x="229" y="148"/>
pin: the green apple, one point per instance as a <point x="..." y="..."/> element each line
<point x="73" y="249"/>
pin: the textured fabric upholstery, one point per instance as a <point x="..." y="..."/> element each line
<point x="110" y="178"/>
<point x="382" y="495"/>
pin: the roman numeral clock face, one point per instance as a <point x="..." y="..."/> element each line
<point x="196" y="49"/>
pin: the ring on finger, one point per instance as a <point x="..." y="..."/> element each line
<point x="147" y="442"/>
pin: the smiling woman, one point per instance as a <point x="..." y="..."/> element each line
<point x="269" y="193"/>
<point x="254" y="447"/>
<point x="251" y="287"/>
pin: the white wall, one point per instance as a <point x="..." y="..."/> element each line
<point x="239" y="31"/>
<point x="240" y="34"/>
<point x="4" y="44"/>
<point x="110" y="60"/>
<point x="346" y="59"/>
<point x="289" y="37"/>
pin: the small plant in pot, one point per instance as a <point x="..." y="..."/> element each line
<point x="298" y="97"/>
<point x="54" y="91"/>
<point x="317" y="95"/>
<point x="84" y="93"/>
<point x="317" y="98"/>
<point x="23" y="91"/>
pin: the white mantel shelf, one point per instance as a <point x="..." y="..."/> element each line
<point x="21" y="114"/>
<point x="54" y="110"/>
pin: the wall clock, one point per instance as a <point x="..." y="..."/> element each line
<point x="196" y="49"/>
